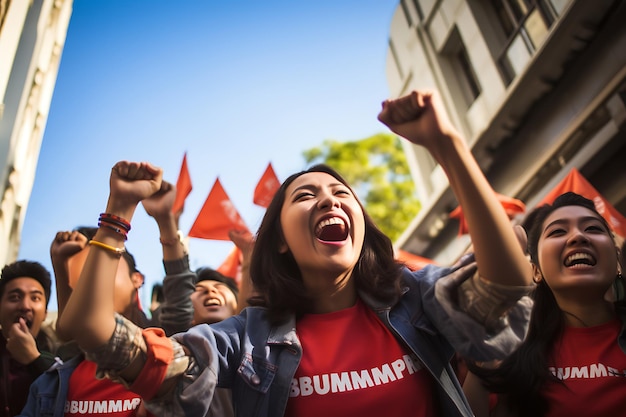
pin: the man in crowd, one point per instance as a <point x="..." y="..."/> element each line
<point x="24" y="295"/>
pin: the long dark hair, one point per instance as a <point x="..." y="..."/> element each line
<point x="522" y="376"/>
<point x="276" y="276"/>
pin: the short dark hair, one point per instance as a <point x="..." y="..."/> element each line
<point x="28" y="269"/>
<point x="130" y="260"/>
<point x="210" y="274"/>
<point x="90" y="232"/>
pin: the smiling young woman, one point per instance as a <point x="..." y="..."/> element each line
<point x="573" y="360"/>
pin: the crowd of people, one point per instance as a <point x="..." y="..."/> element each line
<point x="324" y="320"/>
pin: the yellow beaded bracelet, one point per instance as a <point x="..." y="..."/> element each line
<point x="117" y="251"/>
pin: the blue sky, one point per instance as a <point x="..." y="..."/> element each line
<point x="234" y="84"/>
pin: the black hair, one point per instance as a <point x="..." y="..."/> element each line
<point x="533" y="224"/>
<point x="523" y="374"/>
<point x="89" y="232"/>
<point x="210" y="274"/>
<point x="29" y="269"/>
<point x="276" y="276"/>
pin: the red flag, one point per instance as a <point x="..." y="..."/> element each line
<point x="577" y="183"/>
<point x="183" y="187"/>
<point x="413" y="262"/>
<point x="512" y="207"/>
<point x="217" y="216"/>
<point x="266" y="188"/>
<point x="231" y="267"/>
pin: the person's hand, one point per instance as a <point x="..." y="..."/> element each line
<point x="159" y="205"/>
<point x="244" y="240"/>
<point x="131" y="182"/>
<point x="21" y="343"/>
<point x="419" y="117"/>
<point x="66" y="244"/>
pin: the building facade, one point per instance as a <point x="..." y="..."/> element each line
<point x="32" y="36"/>
<point x="537" y="87"/>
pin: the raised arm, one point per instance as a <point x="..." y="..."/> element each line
<point x="176" y="310"/>
<point x="159" y="206"/>
<point x="65" y="245"/>
<point x="421" y="118"/>
<point x="89" y="315"/>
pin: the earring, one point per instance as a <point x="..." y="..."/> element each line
<point x="537" y="280"/>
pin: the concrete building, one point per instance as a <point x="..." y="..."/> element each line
<point x="32" y="35"/>
<point x="537" y="87"/>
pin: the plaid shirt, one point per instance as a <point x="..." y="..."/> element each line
<point x="126" y="346"/>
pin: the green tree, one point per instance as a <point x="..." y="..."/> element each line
<point x="377" y="169"/>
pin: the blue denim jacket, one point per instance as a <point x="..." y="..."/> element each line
<point x="266" y="357"/>
<point x="47" y="394"/>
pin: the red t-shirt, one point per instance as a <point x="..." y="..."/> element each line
<point x="88" y="396"/>
<point x="593" y="370"/>
<point x="352" y="365"/>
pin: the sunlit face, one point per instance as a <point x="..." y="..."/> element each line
<point x="323" y="226"/>
<point x="212" y="301"/>
<point x="23" y="297"/>
<point x="576" y="251"/>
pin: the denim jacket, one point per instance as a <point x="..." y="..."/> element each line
<point x="258" y="361"/>
<point x="47" y="394"/>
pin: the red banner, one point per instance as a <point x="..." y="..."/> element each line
<point x="231" y="265"/>
<point x="577" y="183"/>
<point x="183" y="187"/>
<point x="413" y="262"/>
<point x="266" y="188"/>
<point x="217" y="216"/>
<point x="512" y="207"/>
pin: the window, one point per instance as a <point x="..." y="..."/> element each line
<point x="459" y="71"/>
<point x="526" y="23"/>
<point x="418" y="9"/>
<point x="469" y="82"/>
<point x="407" y="13"/>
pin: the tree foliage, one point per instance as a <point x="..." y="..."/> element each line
<point x="377" y="169"/>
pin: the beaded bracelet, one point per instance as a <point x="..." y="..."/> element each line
<point x="116" y="229"/>
<point x="115" y="223"/>
<point x="112" y="218"/>
<point x="117" y="251"/>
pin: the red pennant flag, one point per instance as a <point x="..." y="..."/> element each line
<point x="183" y="187"/>
<point x="412" y="261"/>
<point x="577" y="183"/>
<point x="266" y="188"/>
<point x="217" y="216"/>
<point x="512" y="207"/>
<point x="231" y="267"/>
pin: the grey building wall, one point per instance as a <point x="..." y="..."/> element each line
<point x="535" y="91"/>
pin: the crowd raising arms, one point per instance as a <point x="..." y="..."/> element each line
<point x="321" y="234"/>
